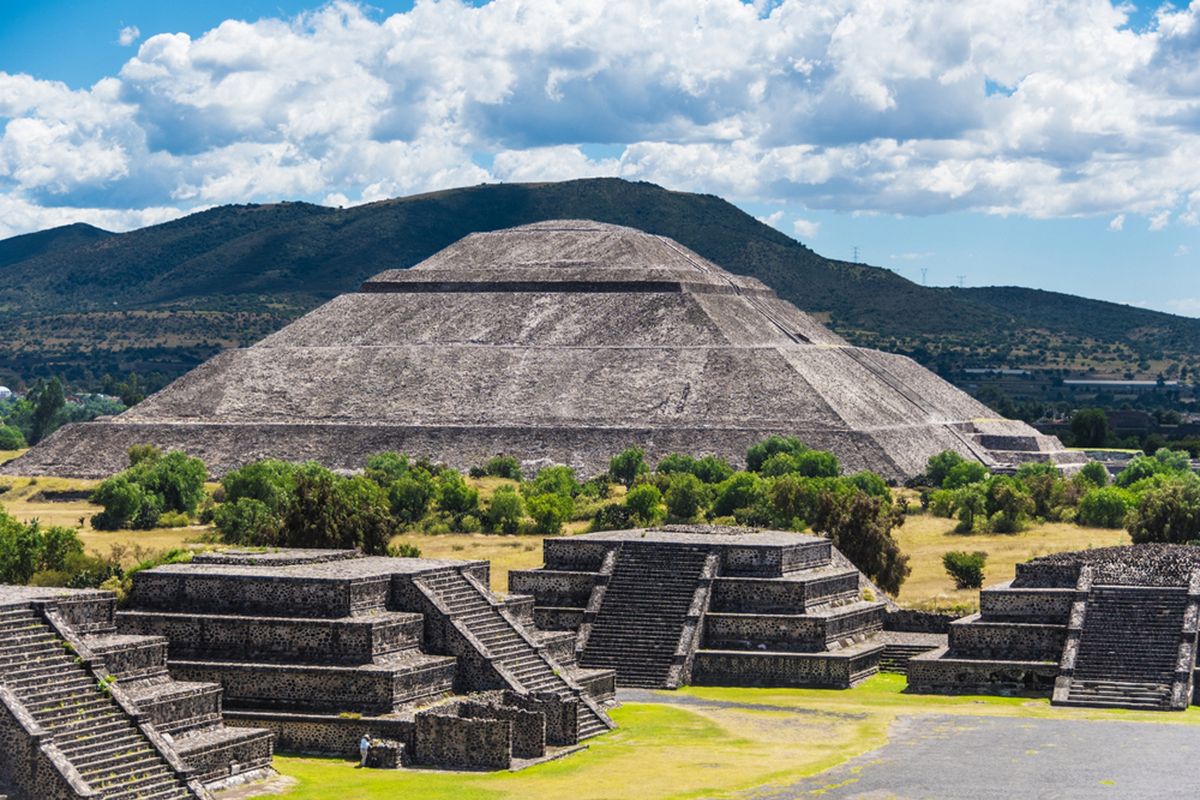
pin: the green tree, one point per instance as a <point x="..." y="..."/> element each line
<point x="139" y="453"/>
<point x="558" y="480"/>
<point x="1090" y="428"/>
<point x="386" y="467"/>
<point x="505" y="510"/>
<point x="938" y="466"/>
<point x="176" y="479"/>
<point x="739" y="490"/>
<point x="969" y="503"/>
<point x="1095" y="473"/>
<point x="759" y="452"/>
<point x="11" y="438"/>
<point x="48" y="402"/>
<point x="1104" y="507"/>
<point x="454" y="495"/>
<point x="410" y="495"/>
<point x="964" y="474"/>
<point x="685" y="496"/>
<point x="965" y="568"/>
<point x="122" y="499"/>
<point x="1170" y="513"/>
<point x="1008" y="504"/>
<point x="860" y="526"/>
<point x="644" y="502"/>
<point x="817" y="464"/>
<point x="248" y="521"/>
<point x="268" y="481"/>
<point x="330" y="511"/>
<point x="503" y="467"/>
<point x="549" y="512"/>
<point x="627" y="465"/>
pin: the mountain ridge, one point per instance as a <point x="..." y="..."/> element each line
<point x="167" y="296"/>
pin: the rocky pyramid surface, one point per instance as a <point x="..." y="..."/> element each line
<point x="557" y="342"/>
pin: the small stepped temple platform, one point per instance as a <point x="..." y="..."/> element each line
<point x="320" y="647"/>
<point x="664" y="607"/>
<point x="1112" y="627"/>
<point x="91" y="713"/>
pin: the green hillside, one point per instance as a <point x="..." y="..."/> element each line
<point x="81" y="302"/>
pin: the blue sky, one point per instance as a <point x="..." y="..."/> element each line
<point x="1027" y="142"/>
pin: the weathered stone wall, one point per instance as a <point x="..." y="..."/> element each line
<point x="928" y="674"/>
<point x="1027" y="604"/>
<point x="748" y="595"/>
<point x="349" y="640"/>
<point x="449" y="741"/>
<point x="910" y="621"/>
<point x="321" y="734"/>
<point x="554" y="587"/>
<point x="528" y="727"/>
<point x="275" y="595"/>
<point x="974" y="637"/>
<point x="723" y="668"/>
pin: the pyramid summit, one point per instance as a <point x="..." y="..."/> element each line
<point x="557" y="342"/>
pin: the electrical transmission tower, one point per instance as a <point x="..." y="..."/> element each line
<point x="855" y="254"/>
<point x="924" y="273"/>
<point x="960" y="281"/>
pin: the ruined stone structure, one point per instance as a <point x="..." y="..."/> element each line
<point x="558" y="342"/>
<point x="1108" y="627"/>
<point x="669" y="606"/>
<point x="319" y="647"/>
<point x="90" y="713"/>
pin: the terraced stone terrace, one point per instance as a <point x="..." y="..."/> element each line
<point x="89" y="712"/>
<point x="665" y="607"/>
<point x="319" y="647"/>
<point x="1112" y="627"/>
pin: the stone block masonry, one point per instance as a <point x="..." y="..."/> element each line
<point x="708" y="605"/>
<point x="1113" y="627"/>
<point x="320" y="648"/>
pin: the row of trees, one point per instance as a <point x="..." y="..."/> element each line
<point x="274" y="503"/>
<point x="1153" y="496"/>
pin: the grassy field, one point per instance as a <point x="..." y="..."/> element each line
<point x="710" y="749"/>
<point x="923" y="537"/>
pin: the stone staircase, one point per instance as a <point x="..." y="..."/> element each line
<point x="1129" y="647"/>
<point x="896" y="656"/>
<point x="643" y="618"/>
<point x="111" y="753"/>
<point x="468" y="603"/>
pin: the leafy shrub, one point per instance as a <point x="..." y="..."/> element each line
<point x="1139" y="468"/>
<point x="503" y="467"/>
<point x="138" y="496"/>
<point x="612" y="517"/>
<point x="759" y="452"/>
<point x="626" y="466"/>
<point x="268" y="481"/>
<point x="1104" y="507"/>
<point x="685" y="496"/>
<point x="173" y="519"/>
<point x="409" y="495"/>
<point x="11" y="438"/>
<point x="739" y="490"/>
<point x="330" y="511"/>
<point x="644" y="503"/>
<point x="939" y="466"/>
<point x="26" y="549"/>
<point x="387" y="467"/>
<point x="248" y="521"/>
<point x="122" y="498"/>
<point x="860" y="526"/>
<point x="454" y="495"/>
<point x="942" y="503"/>
<point x="1095" y="473"/>
<point x="404" y="550"/>
<point x="143" y="453"/>
<point x="964" y="474"/>
<point x="554" y="480"/>
<point x="1008" y="505"/>
<point x="549" y="512"/>
<point x="817" y="464"/>
<point x="969" y="503"/>
<point x="505" y="510"/>
<point x="1170" y="513"/>
<point x="870" y="483"/>
<point x="965" y="568"/>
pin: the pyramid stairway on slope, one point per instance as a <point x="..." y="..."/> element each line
<point x="1128" y="652"/>
<point x="508" y="646"/>
<point x="108" y="750"/>
<point x="641" y="630"/>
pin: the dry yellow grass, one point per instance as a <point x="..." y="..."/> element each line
<point x="925" y="538"/>
<point x="505" y="552"/>
<point x="22" y="500"/>
<point x="9" y="455"/>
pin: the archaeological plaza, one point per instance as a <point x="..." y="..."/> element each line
<point x="557" y="343"/>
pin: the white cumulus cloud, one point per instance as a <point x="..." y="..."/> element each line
<point x="1041" y="108"/>
<point x="805" y="228"/>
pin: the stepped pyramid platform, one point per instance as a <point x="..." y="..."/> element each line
<point x="91" y="713"/>
<point x="557" y="342"/>
<point x="664" y="607"/>
<point x="321" y="646"/>
<point x="1112" y="627"/>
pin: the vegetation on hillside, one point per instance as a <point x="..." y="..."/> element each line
<point x="163" y="298"/>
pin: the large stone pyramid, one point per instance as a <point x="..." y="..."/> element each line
<point x="562" y="341"/>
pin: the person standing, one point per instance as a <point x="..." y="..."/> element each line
<point x="364" y="748"/>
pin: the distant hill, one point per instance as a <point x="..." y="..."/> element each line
<point x="81" y="302"/>
<point x="51" y="240"/>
